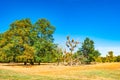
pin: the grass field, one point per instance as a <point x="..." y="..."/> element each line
<point x="102" y="71"/>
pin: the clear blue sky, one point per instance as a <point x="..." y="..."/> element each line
<point x="97" y="19"/>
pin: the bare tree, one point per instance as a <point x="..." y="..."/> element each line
<point x="71" y="44"/>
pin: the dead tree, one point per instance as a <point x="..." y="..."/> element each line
<point x="71" y="44"/>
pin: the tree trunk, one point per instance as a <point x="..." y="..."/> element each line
<point x="70" y="60"/>
<point x="14" y="58"/>
<point x="39" y="62"/>
<point x="25" y="63"/>
<point x="58" y="61"/>
<point x="31" y="62"/>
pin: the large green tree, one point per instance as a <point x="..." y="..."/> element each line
<point x="27" y="42"/>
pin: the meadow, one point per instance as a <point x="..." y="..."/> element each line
<point x="99" y="71"/>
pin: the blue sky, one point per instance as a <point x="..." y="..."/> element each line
<point x="97" y="19"/>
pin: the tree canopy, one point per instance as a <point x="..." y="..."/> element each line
<point x="27" y="42"/>
<point x="88" y="51"/>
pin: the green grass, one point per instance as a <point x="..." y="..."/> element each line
<point x="102" y="74"/>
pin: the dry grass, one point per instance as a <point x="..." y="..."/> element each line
<point x="102" y="71"/>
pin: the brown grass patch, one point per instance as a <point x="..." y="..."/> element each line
<point x="61" y="71"/>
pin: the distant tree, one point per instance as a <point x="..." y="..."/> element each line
<point x="88" y="50"/>
<point x="103" y="59"/>
<point x="96" y="55"/>
<point x="1" y="36"/>
<point x="118" y="58"/>
<point x="107" y="59"/>
<point x="110" y="57"/>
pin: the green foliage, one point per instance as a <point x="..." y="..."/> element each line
<point x="27" y="42"/>
<point x="111" y="58"/>
<point x="88" y="51"/>
<point x="103" y="59"/>
<point x="98" y="59"/>
<point x="43" y="40"/>
<point x="118" y="58"/>
<point x="59" y="55"/>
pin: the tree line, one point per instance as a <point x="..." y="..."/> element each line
<point x="110" y="57"/>
<point x="29" y="42"/>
